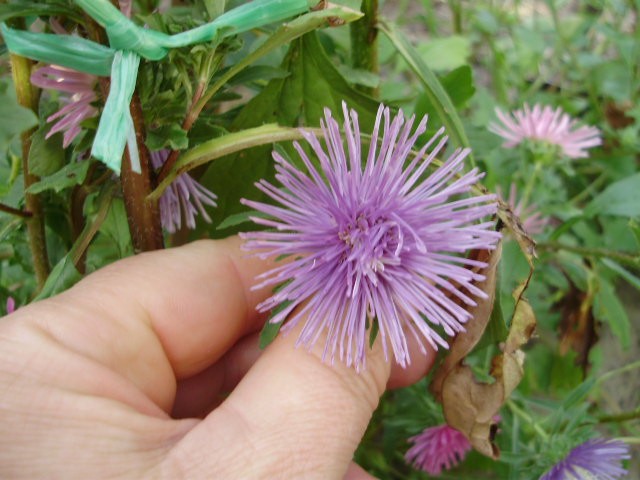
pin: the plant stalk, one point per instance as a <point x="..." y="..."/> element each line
<point x="143" y="215"/>
<point x="28" y="97"/>
<point x="364" y="45"/>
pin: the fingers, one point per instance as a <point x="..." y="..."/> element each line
<point x="158" y="316"/>
<point x="198" y="395"/>
<point x="292" y="416"/>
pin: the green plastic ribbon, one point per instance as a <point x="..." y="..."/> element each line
<point x="128" y="43"/>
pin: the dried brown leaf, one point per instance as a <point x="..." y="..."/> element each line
<point x="471" y="406"/>
<point x="462" y="345"/>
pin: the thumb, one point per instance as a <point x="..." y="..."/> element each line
<point x="292" y="416"/>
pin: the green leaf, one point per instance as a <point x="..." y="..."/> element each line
<point x="433" y="88"/>
<point x="609" y="309"/>
<point x="299" y="99"/>
<point x="46" y="155"/>
<point x="239" y="218"/>
<point x="445" y="53"/>
<point x="63" y="276"/>
<point x="226" y="145"/>
<point x="373" y="333"/>
<point x="284" y="35"/>
<point x="116" y="227"/>
<point x="69" y="176"/>
<point x="578" y="394"/>
<point x="621" y="198"/>
<point x="270" y="330"/>
<point x="635" y="229"/>
<point x="623" y="272"/>
<point x="167" y="136"/>
<point x="14" y="119"/>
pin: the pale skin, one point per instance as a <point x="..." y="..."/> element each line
<point x="150" y="368"/>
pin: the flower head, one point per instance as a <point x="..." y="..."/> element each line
<point x="532" y="221"/>
<point x="596" y="458"/>
<point x="183" y="199"/>
<point x="371" y="237"/>
<point x="78" y="93"/>
<point x="546" y="125"/>
<point x="437" y="448"/>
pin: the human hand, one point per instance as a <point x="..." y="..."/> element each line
<point x="125" y="376"/>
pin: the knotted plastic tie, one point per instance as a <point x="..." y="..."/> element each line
<point x="127" y="44"/>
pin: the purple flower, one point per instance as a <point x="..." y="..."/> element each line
<point x="532" y="221"/>
<point x="183" y="199"/>
<point x="596" y="458"/>
<point x="380" y="241"/>
<point x="11" y="305"/>
<point x="547" y="125"/>
<point x="78" y="93"/>
<point x="437" y="448"/>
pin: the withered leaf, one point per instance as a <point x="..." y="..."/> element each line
<point x="471" y="406"/>
<point x="481" y="313"/>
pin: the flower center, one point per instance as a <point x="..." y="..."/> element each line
<point x="370" y="245"/>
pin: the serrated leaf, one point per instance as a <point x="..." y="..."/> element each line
<point x="167" y="136"/>
<point x="69" y="176"/>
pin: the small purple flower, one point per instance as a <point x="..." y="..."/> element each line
<point x="532" y="221"/>
<point x="437" y="448"/>
<point x="11" y="305"/>
<point x="547" y="125"/>
<point x="596" y="458"/>
<point x="372" y="237"/>
<point x="183" y="199"/>
<point x="79" y="95"/>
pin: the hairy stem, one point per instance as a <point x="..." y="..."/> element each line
<point x="28" y="98"/>
<point x="143" y="214"/>
<point x="364" y="45"/>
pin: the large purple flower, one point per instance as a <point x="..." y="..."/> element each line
<point x="78" y="94"/>
<point x="370" y="237"/>
<point x="596" y="458"/>
<point x="546" y="125"/>
<point x="437" y="448"/>
<point x="183" y="199"/>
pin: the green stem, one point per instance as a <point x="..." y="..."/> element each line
<point x="630" y="440"/>
<point x="624" y="258"/>
<point x="618" y="371"/>
<point x="364" y="45"/>
<point x="528" y="419"/>
<point x="620" y="417"/>
<point x="528" y="189"/>
<point x="456" y="13"/>
<point x="28" y="98"/>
